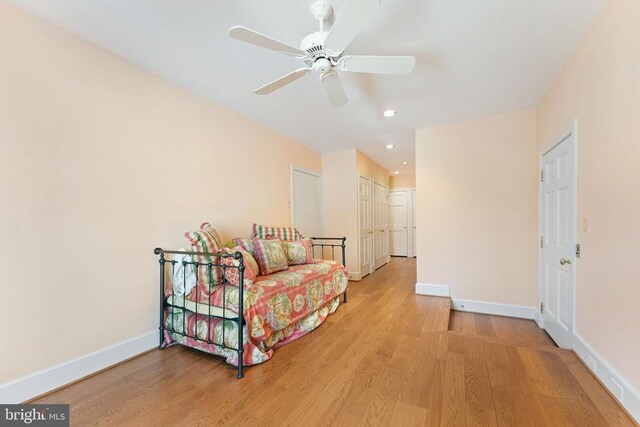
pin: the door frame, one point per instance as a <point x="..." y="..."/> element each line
<point x="411" y="196"/>
<point x="361" y="273"/>
<point x="570" y="131"/>
<point x="296" y="168"/>
<point x="407" y="220"/>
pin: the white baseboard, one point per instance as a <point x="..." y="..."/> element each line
<point x="41" y="382"/>
<point x="627" y="395"/>
<point x="432" y="290"/>
<point x="355" y="276"/>
<point x="519" y="311"/>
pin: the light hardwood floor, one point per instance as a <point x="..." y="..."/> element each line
<point x="387" y="357"/>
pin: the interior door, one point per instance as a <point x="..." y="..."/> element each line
<point x="380" y="226"/>
<point x="398" y="216"/>
<point x="557" y="241"/>
<point x="306" y="201"/>
<point x="366" y="225"/>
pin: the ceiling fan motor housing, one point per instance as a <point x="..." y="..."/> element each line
<point x="318" y="59"/>
<point x="313" y="43"/>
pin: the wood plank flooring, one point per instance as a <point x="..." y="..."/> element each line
<point x="387" y="357"/>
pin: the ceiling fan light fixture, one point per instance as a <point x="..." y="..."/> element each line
<point x="389" y="146"/>
<point x="396" y="173"/>
<point x="322" y="65"/>
<point x="389" y="113"/>
<point x="405" y="163"/>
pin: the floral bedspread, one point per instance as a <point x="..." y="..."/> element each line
<point x="208" y="329"/>
<point x="278" y="308"/>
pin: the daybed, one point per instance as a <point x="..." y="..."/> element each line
<point x="202" y="292"/>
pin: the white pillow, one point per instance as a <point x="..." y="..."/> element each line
<point x="183" y="283"/>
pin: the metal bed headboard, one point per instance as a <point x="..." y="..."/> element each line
<point x="236" y="317"/>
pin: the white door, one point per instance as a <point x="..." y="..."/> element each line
<point x="413" y="224"/>
<point x="398" y="215"/>
<point x="380" y="226"/>
<point x="366" y="226"/>
<point x="306" y="201"/>
<point x="557" y="241"/>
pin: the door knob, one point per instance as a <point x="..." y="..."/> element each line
<point x="564" y="261"/>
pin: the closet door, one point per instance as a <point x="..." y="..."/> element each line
<point x="306" y="201"/>
<point x="381" y="226"/>
<point x="366" y="225"/>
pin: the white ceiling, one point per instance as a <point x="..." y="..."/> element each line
<point x="474" y="58"/>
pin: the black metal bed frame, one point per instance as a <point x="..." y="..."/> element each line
<point x="238" y="318"/>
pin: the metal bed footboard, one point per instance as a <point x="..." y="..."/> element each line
<point x="234" y="317"/>
<point x="332" y="243"/>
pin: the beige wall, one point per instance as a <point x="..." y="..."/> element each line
<point x="340" y="199"/>
<point x="402" y="181"/>
<point x="479" y="236"/>
<point x="340" y="182"/>
<point x="367" y="166"/>
<point x="600" y="87"/>
<point x="101" y="162"/>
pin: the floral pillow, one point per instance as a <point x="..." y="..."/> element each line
<point x="282" y="233"/>
<point x="232" y="274"/>
<point x="206" y="240"/>
<point x="248" y="259"/>
<point x="270" y="255"/>
<point x="298" y="251"/>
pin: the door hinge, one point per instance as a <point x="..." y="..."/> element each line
<point x="541" y="307"/>
<point x="541" y="242"/>
<point x="542" y="176"/>
<point x="578" y="250"/>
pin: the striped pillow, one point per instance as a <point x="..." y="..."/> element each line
<point x="246" y="244"/>
<point x="282" y="233"/>
<point x="206" y="240"/>
<point x="206" y="227"/>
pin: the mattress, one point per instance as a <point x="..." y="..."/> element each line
<point x="204" y="308"/>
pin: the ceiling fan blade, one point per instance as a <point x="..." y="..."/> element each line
<point x="255" y="38"/>
<point x="352" y="18"/>
<point x="377" y="64"/>
<point x="333" y="88"/>
<point x="282" y="81"/>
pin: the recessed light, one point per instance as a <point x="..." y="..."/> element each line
<point x="405" y="163"/>
<point x="396" y="173"/>
<point x="389" y="113"/>
<point x="389" y="146"/>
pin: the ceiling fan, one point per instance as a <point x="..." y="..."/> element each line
<point x="323" y="51"/>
